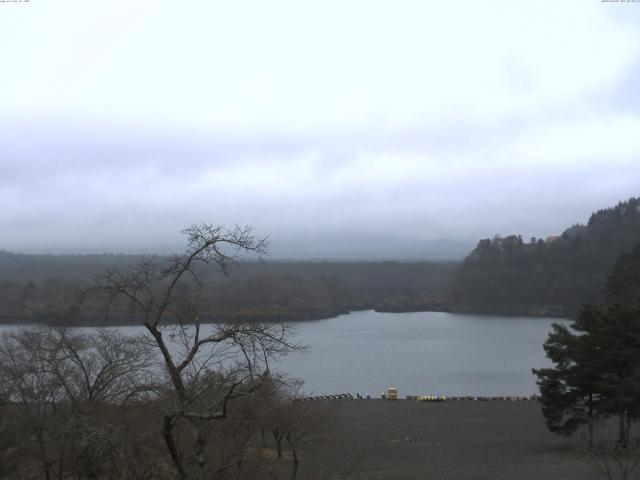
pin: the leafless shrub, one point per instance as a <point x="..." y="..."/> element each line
<point x="606" y="455"/>
<point x="57" y="383"/>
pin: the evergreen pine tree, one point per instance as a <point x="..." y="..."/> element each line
<point x="596" y="369"/>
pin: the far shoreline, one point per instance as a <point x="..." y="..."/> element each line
<point x="10" y="320"/>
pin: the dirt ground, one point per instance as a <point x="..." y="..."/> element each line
<point x="460" y="440"/>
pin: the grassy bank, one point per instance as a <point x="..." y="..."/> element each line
<point x="460" y="441"/>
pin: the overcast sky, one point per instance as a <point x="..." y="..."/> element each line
<point x="123" y="121"/>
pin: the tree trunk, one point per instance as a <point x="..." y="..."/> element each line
<point x="167" y="434"/>
<point x="43" y="455"/>
<point x="198" y="450"/>
<point x="590" y="425"/>
<point x="278" y="438"/>
<point x="294" y="454"/>
<point x="623" y="433"/>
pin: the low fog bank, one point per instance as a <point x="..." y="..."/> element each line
<point x="369" y="248"/>
<point x="283" y="248"/>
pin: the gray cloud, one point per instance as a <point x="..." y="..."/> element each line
<point x="425" y="132"/>
<point x="118" y="189"/>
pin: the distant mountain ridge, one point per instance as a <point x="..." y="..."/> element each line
<point x="552" y="276"/>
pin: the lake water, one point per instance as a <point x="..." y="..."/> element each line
<point x="419" y="353"/>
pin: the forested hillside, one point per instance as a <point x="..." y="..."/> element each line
<point x="551" y="276"/>
<point x="42" y="287"/>
<point x="501" y="275"/>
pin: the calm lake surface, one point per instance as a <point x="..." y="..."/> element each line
<point x="419" y="353"/>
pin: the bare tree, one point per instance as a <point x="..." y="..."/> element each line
<point x="605" y="454"/>
<point x="207" y="366"/>
<point x="291" y="422"/>
<point x="33" y="393"/>
<point x="58" y="384"/>
<point x="6" y="433"/>
<point x="103" y="367"/>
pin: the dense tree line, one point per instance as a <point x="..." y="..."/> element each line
<point x="550" y="276"/>
<point x="501" y="275"/>
<point x="39" y="287"/>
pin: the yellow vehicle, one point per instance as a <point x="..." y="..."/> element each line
<point x="392" y="393"/>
